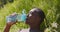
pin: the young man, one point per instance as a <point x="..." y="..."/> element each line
<point x="34" y="18"/>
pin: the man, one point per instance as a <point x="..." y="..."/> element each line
<point x="34" y="18"/>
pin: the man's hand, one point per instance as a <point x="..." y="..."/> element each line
<point x="8" y="25"/>
<point x="11" y="23"/>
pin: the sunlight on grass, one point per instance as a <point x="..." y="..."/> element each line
<point x="48" y="6"/>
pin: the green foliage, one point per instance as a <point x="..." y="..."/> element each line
<point x="51" y="9"/>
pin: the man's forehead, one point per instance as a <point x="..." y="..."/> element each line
<point x="31" y="11"/>
<point x="34" y="10"/>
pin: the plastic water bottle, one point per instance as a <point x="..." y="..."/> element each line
<point x="23" y="15"/>
<point x="11" y="18"/>
<point x="19" y="17"/>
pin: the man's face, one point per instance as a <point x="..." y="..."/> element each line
<point x="32" y="18"/>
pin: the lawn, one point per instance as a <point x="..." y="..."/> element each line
<point x="50" y="8"/>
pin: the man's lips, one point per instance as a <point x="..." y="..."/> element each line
<point x="26" y="20"/>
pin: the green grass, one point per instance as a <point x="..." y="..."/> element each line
<point x="50" y="8"/>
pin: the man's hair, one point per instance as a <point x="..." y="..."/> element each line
<point x="40" y="13"/>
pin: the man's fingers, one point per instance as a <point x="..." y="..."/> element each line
<point x="11" y="23"/>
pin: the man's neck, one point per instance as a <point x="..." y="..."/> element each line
<point x="34" y="28"/>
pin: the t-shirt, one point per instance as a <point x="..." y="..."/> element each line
<point x="24" y="30"/>
<point x="29" y="30"/>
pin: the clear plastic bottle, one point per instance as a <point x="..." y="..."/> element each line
<point x="22" y="17"/>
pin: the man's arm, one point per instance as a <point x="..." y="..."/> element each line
<point x="8" y="25"/>
<point x="7" y="28"/>
<point x="10" y="22"/>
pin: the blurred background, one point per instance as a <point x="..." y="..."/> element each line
<point x="51" y="9"/>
